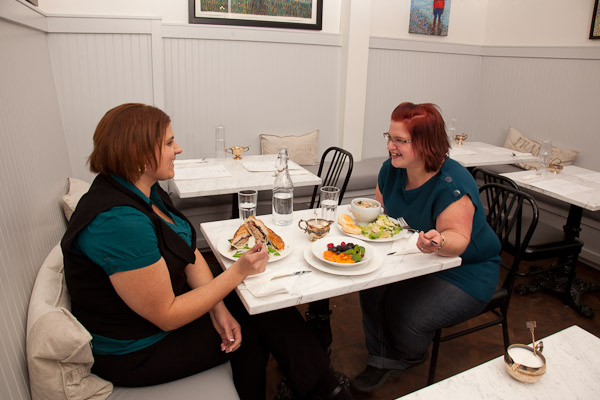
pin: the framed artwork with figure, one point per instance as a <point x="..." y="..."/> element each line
<point x="429" y="17"/>
<point x="292" y="14"/>
<point x="595" y="29"/>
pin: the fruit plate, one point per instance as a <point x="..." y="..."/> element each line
<point x="224" y="244"/>
<point x="357" y="268"/>
<point x="320" y="246"/>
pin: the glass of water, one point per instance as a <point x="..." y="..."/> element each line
<point x="330" y="196"/>
<point x="247" y="203"/>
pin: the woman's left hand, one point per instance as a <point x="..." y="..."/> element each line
<point x="227" y="327"/>
<point x="429" y="242"/>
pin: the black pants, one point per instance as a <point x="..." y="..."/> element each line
<point x="196" y="347"/>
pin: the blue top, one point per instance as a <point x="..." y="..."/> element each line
<point x="123" y="239"/>
<point x="420" y="207"/>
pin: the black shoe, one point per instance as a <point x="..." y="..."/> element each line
<point x="372" y="378"/>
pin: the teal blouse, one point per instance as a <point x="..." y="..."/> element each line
<point x="420" y="207"/>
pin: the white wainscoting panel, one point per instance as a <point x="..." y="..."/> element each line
<point x="543" y="98"/>
<point x="95" y="72"/>
<point x="33" y="171"/>
<point x="449" y="80"/>
<point x="250" y="88"/>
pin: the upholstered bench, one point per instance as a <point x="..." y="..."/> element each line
<point x="59" y="354"/>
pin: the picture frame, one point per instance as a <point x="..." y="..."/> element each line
<point x="290" y="14"/>
<point x="595" y="29"/>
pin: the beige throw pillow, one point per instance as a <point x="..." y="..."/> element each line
<point x="302" y="149"/>
<point x="517" y="141"/>
<point x="59" y="355"/>
<point x="77" y="188"/>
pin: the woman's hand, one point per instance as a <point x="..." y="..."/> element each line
<point x="227" y="327"/>
<point x="429" y="242"/>
<point x="254" y="261"/>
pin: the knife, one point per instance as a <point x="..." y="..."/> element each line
<point x="291" y="274"/>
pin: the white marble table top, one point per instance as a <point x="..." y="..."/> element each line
<point x="572" y="372"/>
<point x="574" y="185"/>
<point x="473" y="154"/>
<point x="240" y="177"/>
<point x="319" y="285"/>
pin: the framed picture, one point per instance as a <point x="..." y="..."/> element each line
<point x="429" y="17"/>
<point x="595" y="29"/>
<point x="294" y="14"/>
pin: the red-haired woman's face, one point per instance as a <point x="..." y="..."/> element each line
<point x="170" y="149"/>
<point x="403" y="155"/>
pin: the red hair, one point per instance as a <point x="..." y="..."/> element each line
<point x="128" y="139"/>
<point x="426" y="126"/>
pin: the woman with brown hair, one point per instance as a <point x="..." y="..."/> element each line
<point x="440" y="198"/>
<point x="146" y="294"/>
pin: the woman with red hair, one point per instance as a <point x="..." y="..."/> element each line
<point x="440" y="198"/>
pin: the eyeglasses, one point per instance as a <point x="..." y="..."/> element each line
<point x="395" y="141"/>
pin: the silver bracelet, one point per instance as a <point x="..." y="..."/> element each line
<point x="441" y="244"/>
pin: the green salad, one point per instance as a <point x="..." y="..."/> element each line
<point x="382" y="228"/>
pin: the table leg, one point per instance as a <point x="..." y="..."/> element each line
<point x="319" y="321"/>
<point x="563" y="281"/>
<point x="235" y="211"/>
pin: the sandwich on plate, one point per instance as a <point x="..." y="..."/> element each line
<point x="254" y="230"/>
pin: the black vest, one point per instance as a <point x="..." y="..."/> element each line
<point x="94" y="302"/>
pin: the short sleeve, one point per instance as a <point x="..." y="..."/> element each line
<point x="120" y="239"/>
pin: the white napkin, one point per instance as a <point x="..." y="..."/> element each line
<point x="406" y="245"/>
<point x="261" y="285"/>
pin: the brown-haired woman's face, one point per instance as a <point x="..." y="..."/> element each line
<point x="403" y="155"/>
<point x="165" y="169"/>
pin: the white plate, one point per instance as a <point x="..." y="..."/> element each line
<point x="356" y="269"/>
<point x="223" y="246"/>
<point x="320" y="246"/>
<point x="400" y="235"/>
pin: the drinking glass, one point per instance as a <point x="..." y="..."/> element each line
<point x="329" y="200"/>
<point x="220" y="142"/>
<point x="544" y="157"/>
<point x="247" y="203"/>
<point x="452" y="129"/>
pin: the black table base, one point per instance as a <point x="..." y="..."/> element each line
<point x="557" y="283"/>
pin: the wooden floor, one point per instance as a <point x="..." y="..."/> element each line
<point x="349" y="354"/>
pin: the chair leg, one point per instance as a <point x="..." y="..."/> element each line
<point x="434" y="355"/>
<point x="319" y="322"/>
<point x="505" y="333"/>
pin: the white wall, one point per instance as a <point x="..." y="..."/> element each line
<point x="171" y="11"/>
<point x="476" y="22"/>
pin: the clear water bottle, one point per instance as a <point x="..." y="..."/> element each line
<point x="220" y="142"/>
<point x="283" y="191"/>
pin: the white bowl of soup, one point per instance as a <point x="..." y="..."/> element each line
<point x="365" y="210"/>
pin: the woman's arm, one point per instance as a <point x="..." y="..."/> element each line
<point x="149" y="293"/>
<point x="379" y="196"/>
<point x="453" y="230"/>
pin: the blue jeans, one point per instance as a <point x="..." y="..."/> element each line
<point x="400" y="319"/>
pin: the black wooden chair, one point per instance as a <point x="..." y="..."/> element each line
<point x="335" y="164"/>
<point x="505" y="206"/>
<point x="548" y="242"/>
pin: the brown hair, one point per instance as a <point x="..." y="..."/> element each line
<point x="427" y="130"/>
<point x="128" y="139"/>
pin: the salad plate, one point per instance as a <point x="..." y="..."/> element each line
<point x="223" y="247"/>
<point x="320" y="246"/>
<point x="356" y="269"/>
<point x="400" y="235"/>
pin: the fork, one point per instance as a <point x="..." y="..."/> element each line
<point x="407" y="227"/>
<point x="404" y="225"/>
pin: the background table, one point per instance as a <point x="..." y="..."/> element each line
<point x="475" y="154"/>
<point x="580" y="188"/>
<point x="319" y="285"/>
<point x="572" y="371"/>
<point x="240" y="177"/>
